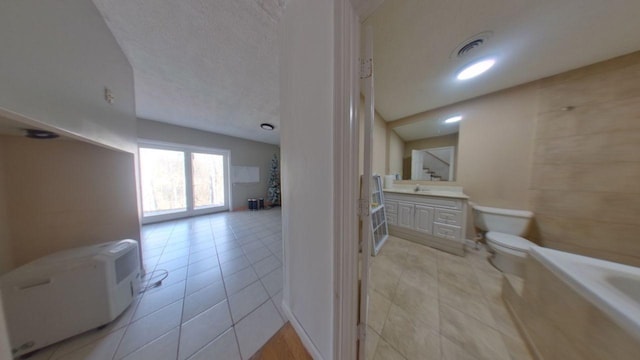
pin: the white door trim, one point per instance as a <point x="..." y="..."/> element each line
<point x="346" y="179"/>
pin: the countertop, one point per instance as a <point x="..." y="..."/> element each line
<point x="428" y="192"/>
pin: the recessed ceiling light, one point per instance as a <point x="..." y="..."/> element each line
<point x="453" y="119"/>
<point x="267" y="126"/>
<point x="475" y="69"/>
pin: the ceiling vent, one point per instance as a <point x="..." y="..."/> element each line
<point x="470" y="45"/>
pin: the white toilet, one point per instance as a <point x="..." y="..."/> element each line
<point x="504" y="230"/>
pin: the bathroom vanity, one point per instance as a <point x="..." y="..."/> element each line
<point x="435" y="218"/>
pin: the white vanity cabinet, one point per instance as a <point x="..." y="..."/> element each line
<point x="435" y="221"/>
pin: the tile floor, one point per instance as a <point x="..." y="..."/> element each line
<point x="221" y="299"/>
<point x="428" y="304"/>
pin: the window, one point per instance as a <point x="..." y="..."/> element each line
<point x="179" y="181"/>
<point x="208" y="180"/>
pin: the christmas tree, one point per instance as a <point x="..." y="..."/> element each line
<point x="273" y="193"/>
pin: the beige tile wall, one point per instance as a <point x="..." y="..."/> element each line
<point x="586" y="165"/>
<point x="66" y="193"/>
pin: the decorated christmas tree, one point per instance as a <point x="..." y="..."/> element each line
<point x="273" y="193"/>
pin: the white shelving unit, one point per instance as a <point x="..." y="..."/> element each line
<point x="379" y="229"/>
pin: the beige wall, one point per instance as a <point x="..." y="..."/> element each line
<point x="494" y="146"/>
<point x="6" y="261"/>
<point x="379" y="158"/>
<point x="243" y="153"/>
<point x="57" y="58"/>
<point x="379" y="145"/>
<point x="586" y="178"/>
<point x="395" y="152"/>
<point x="65" y="193"/>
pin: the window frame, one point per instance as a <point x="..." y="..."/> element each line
<point x="187" y="150"/>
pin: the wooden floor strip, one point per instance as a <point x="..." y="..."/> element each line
<point x="285" y="344"/>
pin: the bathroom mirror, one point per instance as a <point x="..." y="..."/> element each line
<point x="430" y="149"/>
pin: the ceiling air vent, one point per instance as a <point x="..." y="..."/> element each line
<point x="470" y="45"/>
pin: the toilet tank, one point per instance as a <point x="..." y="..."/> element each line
<point x="508" y="221"/>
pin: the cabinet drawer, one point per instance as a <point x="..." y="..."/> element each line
<point x="447" y="231"/>
<point x="391" y="206"/>
<point x="392" y="218"/>
<point x="449" y="217"/>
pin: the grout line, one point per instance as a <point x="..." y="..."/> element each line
<point x="139" y="298"/>
<point x="226" y="294"/>
<point x="184" y="298"/>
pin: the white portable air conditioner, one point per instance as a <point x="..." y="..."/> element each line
<point x="69" y="292"/>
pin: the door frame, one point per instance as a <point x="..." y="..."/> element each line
<point x="348" y="16"/>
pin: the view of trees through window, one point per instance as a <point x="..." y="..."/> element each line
<point x="208" y="180"/>
<point x="164" y="181"/>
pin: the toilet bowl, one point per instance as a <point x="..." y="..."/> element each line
<point x="508" y="252"/>
<point x="505" y="228"/>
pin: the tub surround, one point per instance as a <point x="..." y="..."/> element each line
<point x="429" y="215"/>
<point x="610" y="286"/>
<point x="568" y="307"/>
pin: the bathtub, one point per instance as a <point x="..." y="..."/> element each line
<point x="611" y="287"/>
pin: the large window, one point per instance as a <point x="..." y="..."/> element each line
<point x="178" y="181"/>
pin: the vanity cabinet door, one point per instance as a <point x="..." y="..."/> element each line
<point x="405" y="215"/>
<point x="424" y="219"/>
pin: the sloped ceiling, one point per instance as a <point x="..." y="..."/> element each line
<point x="213" y="64"/>
<point x="205" y="64"/>
<point x="532" y="39"/>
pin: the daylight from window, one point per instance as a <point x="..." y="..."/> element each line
<point x="208" y="180"/>
<point x="163" y="181"/>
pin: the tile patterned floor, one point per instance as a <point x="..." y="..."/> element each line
<point x="221" y="299"/>
<point x="428" y="304"/>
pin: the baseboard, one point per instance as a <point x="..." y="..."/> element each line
<point x="470" y="243"/>
<point x="306" y="341"/>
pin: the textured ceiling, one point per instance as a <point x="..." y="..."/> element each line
<point x="213" y="64"/>
<point x="413" y="40"/>
<point x="205" y="64"/>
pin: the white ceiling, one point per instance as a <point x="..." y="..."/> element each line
<point x="213" y="64"/>
<point x="532" y="39"/>
<point x="205" y="64"/>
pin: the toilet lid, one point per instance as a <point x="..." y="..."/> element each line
<point x="509" y="241"/>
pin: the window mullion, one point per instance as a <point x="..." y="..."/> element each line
<point x="188" y="169"/>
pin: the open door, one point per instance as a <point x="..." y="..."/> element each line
<point x="366" y="76"/>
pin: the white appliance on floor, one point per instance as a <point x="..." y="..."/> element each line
<point x="69" y="292"/>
